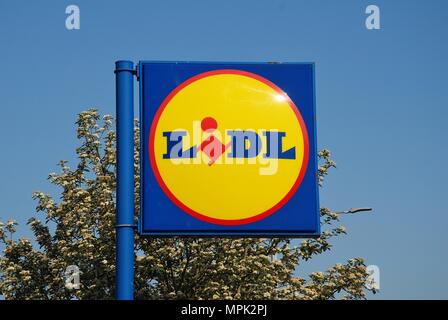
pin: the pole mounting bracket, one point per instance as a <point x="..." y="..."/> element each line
<point x="133" y="71"/>
<point x="121" y="225"/>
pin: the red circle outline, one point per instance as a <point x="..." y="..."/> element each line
<point x="198" y="215"/>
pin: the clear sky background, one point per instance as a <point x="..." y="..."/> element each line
<point x="381" y="105"/>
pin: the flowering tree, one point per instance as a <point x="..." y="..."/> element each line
<point x="79" y="230"/>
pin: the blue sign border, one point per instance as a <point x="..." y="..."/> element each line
<point x="168" y="75"/>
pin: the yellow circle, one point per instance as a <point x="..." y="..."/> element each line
<point x="229" y="189"/>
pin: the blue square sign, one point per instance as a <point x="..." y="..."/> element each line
<point x="228" y="149"/>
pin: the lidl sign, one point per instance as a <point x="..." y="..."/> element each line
<point x="228" y="149"/>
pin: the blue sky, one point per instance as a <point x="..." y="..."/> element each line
<point x="381" y="105"/>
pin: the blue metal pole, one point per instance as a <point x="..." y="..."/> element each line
<point x="124" y="75"/>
